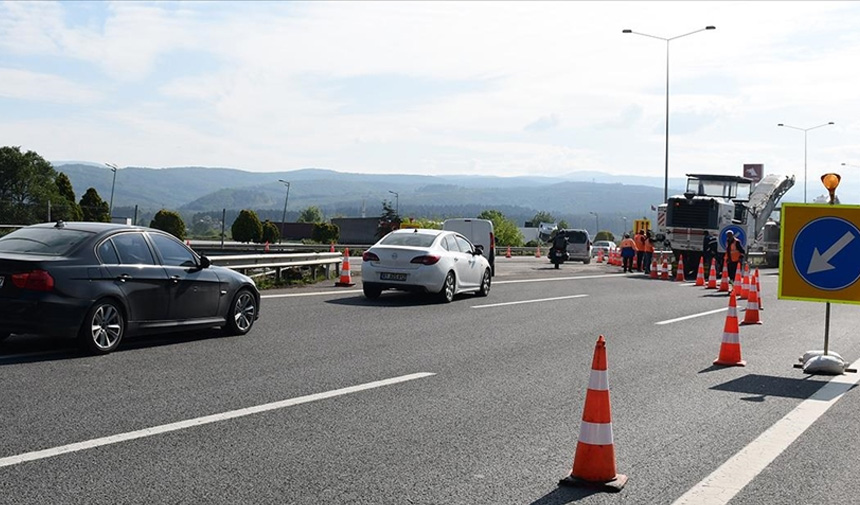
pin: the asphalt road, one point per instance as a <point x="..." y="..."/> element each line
<point x="492" y="416"/>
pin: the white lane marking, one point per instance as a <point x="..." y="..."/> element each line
<point x="692" y="316"/>
<point x="321" y="293"/>
<point x="732" y="476"/>
<point x="601" y="276"/>
<point x="527" y="301"/>
<point x="199" y="421"/>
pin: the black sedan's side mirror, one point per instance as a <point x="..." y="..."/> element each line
<point x="205" y="262"/>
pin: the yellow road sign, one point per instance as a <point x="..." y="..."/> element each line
<point x="820" y="253"/>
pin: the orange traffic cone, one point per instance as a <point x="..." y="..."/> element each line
<point x="679" y="275"/>
<point x="600" y="256"/>
<point x="751" y="315"/>
<point x="345" y="277"/>
<point x="730" y="349"/>
<point x="712" y="276"/>
<point x="724" y="280"/>
<point x="537" y="252"/>
<point x="758" y="290"/>
<point x="267" y="246"/>
<point x="700" y="277"/>
<point x="331" y="249"/>
<point x="745" y="283"/>
<point x="594" y="460"/>
<point x="635" y="261"/>
<point x="508" y="254"/>
<point x="738" y="283"/>
<point x="653" y="268"/>
<point x="664" y="272"/>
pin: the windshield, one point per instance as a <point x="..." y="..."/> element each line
<point x="409" y="239"/>
<point x="45" y="241"/>
<point x="704" y="187"/>
<point x="576" y="236"/>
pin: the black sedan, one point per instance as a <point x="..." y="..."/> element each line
<point x="101" y="281"/>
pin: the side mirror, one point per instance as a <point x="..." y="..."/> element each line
<point x="205" y="262"/>
<point x="479" y="249"/>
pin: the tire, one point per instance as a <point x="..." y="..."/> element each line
<point x="486" y="282"/>
<point x="371" y="292"/>
<point x="586" y="261"/>
<point x="556" y="266"/>
<point x="242" y="313"/>
<point x="446" y="294"/>
<point x="103" y="328"/>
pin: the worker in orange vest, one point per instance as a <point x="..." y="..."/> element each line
<point x="648" y="252"/>
<point x="628" y="250"/>
<point x="639" y="238"/>
<point x="734" y="253"/>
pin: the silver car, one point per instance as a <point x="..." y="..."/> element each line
<point x="440" y="262"/>
<point x="578" y="245"/>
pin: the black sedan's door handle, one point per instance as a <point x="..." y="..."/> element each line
<point x="124" y="277"/>
<point x="174" y="279"/>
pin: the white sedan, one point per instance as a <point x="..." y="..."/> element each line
<point x="441" y="262"/>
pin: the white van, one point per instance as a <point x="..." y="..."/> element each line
<point x="479" y="232"/>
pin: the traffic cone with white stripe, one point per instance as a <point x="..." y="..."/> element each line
<point x="738" y="288"/>
<point x="331" y="248"/>
<point x="600" y="256"/>
<point x="508" y="254"/>
<point x="537" y="252"/>
<point x="654" y="269"/>
<point x="724" y="278"/>
<point x="712" y="276"/>
<point x="664" y="273"/>
<point x="594" y="460"/>
<point x="751" y="315"/>
<point x="679" y="275"/>
<point x="700" y="276"/>
<point x="758" y="290"/>
<point x="745" y="283"/>
<point x="345" y="276"/>
<point x="730" y="349"/>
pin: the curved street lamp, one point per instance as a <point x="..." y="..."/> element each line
<point x="670" y="39"/>
<point x="284" y="216"/>
<point x="396" y="202"/>
<point x="113" y="168"/>
<point x="804" y="130"/>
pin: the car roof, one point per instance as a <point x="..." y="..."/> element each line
<point x="89" y="226"/>
<point x="429" y="231"/>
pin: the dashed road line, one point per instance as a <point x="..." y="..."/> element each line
<point x="527" y="301"/>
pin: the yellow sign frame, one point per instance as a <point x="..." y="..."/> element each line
<point x="792" y="286"/>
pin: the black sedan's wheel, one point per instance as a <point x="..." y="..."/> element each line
<point x="242" y="314"/>
<point x="446" y="295"/>
<point x="103" y="327"/>
<point x="485" y="284"/>
<point x="371" y="292"/>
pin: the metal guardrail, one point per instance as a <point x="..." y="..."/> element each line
<point x="277" y="263"/>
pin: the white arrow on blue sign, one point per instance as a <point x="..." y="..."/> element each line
<point x="826" y="252"/>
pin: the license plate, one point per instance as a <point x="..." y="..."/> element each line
<point x="388" y="276"/>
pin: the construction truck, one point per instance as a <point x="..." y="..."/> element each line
<point x="717" y="204"/>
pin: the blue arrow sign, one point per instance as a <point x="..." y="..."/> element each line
<point x="740" y="235"/>
<point x="825" y="253"/>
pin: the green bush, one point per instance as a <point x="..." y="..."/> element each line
<point x="247" y="227"/>
<point x="271" y="233"/>
<point x="325" y="233"/>
<point x="169" y="221"/>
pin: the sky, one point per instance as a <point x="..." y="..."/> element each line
<point x="436" y="88"/>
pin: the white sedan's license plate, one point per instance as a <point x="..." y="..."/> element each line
<point x="388" y="276"/>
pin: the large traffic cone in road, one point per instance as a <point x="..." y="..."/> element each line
<point x="738" y="287"/>
<point x="664" y="273"/>
<point x="345" y="276"/>
<point x="712" y="276"/>
<point x="594" y="460"/>
<point x="508" y="254"/>
<point x="724" y="279"/>
<point x="751" y="315"/>
<point x="600" y="255"/>
<point x="700" y="276"/>
<point x="537" y="252"/>
<point x="654" y="269"/>
<point x="758" y="290"/>
<point x="679" y="275"/>
<point x="745" y="283"/>
<point x="730" y="349"/>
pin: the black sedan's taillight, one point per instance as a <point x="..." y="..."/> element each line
<point x="36" y="280"/>
<point x="429" y="259"/>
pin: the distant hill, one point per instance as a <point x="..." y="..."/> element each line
<point x="191" y="190"/>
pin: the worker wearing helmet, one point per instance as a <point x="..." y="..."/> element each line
<point x="734" y="254"/>
<point x="628" y="251"/>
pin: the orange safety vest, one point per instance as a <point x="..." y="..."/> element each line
<point x="734" y="253"/>
<point x="628" y="243"/>
<point x="649" y="246"/>
<point x="640" y="242"/>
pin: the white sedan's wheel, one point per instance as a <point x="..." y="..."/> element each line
<point x="447" y="293"/>
<point x="485" y="284"/>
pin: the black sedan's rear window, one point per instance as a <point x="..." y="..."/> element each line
<point x="44" y="241"/>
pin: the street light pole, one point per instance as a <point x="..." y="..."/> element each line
<point x="666" y="169"/>
<point x="625" y="225"/>
<point x="113" y="168"/>
<point x="284" y="216"/>
<point x="396" y="202"/>
<point x="596" y="222"/>
<point x="804" y="130"/>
